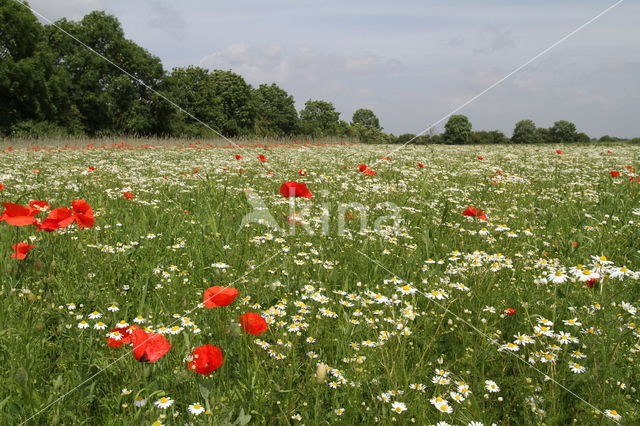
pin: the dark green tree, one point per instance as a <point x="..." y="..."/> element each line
<point x="234" y="95"/>
<point x="366" y="127"/>
<point x="607" y="138"/>
<point x="276" y="113"/>
<point x="20" y="31"/>
<point x="366" y="119"/>
<point x="108" y="101"/>
<point x="457" y="130"/>
<point x="192" y="90"/>
<point x="544" y="135"/>
<point x="319" y="118"/>
<point x="525" y="131"/>
<point x="489" y="137"/>
<point x="563" y="132"/>
<point x="582" y="138"/>
<point x="404" y="138"/>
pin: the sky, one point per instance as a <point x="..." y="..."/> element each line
<point x="412" y="62"/>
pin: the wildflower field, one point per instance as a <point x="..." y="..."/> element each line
<point x="335" y="284"/>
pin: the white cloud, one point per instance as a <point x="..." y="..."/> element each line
<point x="276" y="63"/>
<point x="164" y="17"/>
<point x="309" y="73"/>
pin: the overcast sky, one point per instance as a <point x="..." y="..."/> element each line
<point x="410" y="61"/>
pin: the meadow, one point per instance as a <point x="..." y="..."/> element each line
<point x="385" y="304"/>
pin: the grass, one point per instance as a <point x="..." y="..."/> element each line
<point x="332" y="294"/>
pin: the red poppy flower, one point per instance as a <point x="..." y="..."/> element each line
<point x="559" y="151"/>
<point x="2" y="187"/>
<point x="510" y="311"/>
<point x="362" y="167"/>
<point x="262" y="158"/>
<point x="239" y="157"/>
<point x="591" y="283"/>
<point x="480" y="157"/>
<point x="630" y="168"/>
<point x="91" y="168"/>
<point x="295" y="189"/>
<point x="420" y="165"/>
<point x="206" y="359"/>
<point x="40" y="205"/>
<point x="57" y="219"/>
<point x="83" y="213"/>
<point x="219" y="296"/>
<point x="21" y="250"/>
<point x="369" y="172"/>
<point x="119" y="336"/>
<point x="253" y="323"/>
<point x="302" y="172"/>
<point x="472" y="211"/>
<point x="614" y="173"/>
<point x="17" y="215"/>
<point x="149" y="347"/>
<point x="128" y="195"/>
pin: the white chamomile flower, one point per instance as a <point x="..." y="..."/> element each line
<point x="612" y="414"/>
<point x="398" y="407"/>
<point x="164" y="402"/>
<point x="196" y="409"/>
<point x="491" y="386"/>
<point x="577" y="368"/>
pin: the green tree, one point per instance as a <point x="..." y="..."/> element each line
<point x="582" y="138"/>
<point x="20" y="31"/>
<point x="457" y="130"/>
<point x="192" y="90"/>
<point x="108" y="101"/>
<point x="319" y="118"/>
<point x="234" y="95"/>
<point x="366" y="127"/>
<point x="544" y="135"/>
<point x="404" y="138"/>
<point x="276" y="113"/>
<point x="607" y="138"/>
<point x="525" y="131"/>
<point x="563" y="132"/>
<point x="488" y="137"/>
<point x="221" y="99"/>
<point x="366" y="119"/>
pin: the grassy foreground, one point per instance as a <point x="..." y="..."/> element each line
<point x="385" y="304"/>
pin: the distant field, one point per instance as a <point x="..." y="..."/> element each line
<point x="384" y="303"/>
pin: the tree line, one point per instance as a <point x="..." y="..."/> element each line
<point x="458" y="131"/>
<point x="51" y="85"/>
